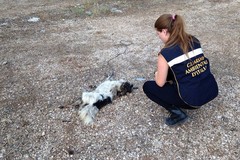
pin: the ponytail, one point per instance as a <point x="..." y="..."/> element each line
<point x="176" y="28"/>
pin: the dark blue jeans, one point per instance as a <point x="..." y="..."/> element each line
<point x="166" y="96"/>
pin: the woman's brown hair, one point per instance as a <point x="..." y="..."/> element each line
<point x="176" y="28"/>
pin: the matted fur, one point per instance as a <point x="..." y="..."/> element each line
<point x="103" y="94"/>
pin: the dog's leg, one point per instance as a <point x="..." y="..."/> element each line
<point x="77" y="103"/>
<point x="101" y="103"/>
<point x="83" y="104"/>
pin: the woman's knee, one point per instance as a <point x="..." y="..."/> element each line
<point x="147" y="86"/>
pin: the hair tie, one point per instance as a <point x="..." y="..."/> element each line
<point x="173" y="16"/>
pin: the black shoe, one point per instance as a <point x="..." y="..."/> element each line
<point x="177" y="116"/>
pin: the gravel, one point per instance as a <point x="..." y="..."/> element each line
<point x="46" y="65"/>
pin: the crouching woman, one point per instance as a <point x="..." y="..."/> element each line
<point x="183" y="79"/>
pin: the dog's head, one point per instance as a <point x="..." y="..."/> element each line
<point x="125" y="88"/>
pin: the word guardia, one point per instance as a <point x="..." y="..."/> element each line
<point x="197" y="66"/>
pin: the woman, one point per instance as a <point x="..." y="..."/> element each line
<point x="183" y="78"/>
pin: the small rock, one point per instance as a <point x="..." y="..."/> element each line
<point x="140" y="79"/>
<point x="34" y="19"/>
<point x="42" y="31"/>
<point x="126" y="42"/>
<point x="61" y="107"/>
<point x="5" y="62"/>
<point x="5" y="120"/>
<point x="115" y="10"/>
<point x="26" y="156"/>
<point x="70" y="152"/>
<point x="4" y="24"/>
<point x="89" y="13"/>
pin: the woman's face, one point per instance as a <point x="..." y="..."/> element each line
<point x="163" y="35"/>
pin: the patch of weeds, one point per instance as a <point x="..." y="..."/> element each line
<point x="101" y="9"/>
<point x="91" y="8"/>
<point x="78" y="10"/>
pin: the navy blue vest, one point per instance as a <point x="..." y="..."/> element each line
<point x="196" y="84"/>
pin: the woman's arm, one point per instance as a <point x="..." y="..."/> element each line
<point x="162" y="71"/>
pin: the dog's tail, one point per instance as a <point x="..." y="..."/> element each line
<point x="88" y="114"/>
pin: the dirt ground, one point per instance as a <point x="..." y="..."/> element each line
<point x="75" y="45"/>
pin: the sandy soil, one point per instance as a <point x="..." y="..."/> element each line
<point x="76" y="45"/>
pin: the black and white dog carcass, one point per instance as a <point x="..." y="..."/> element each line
<point x="92" y="102"/>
